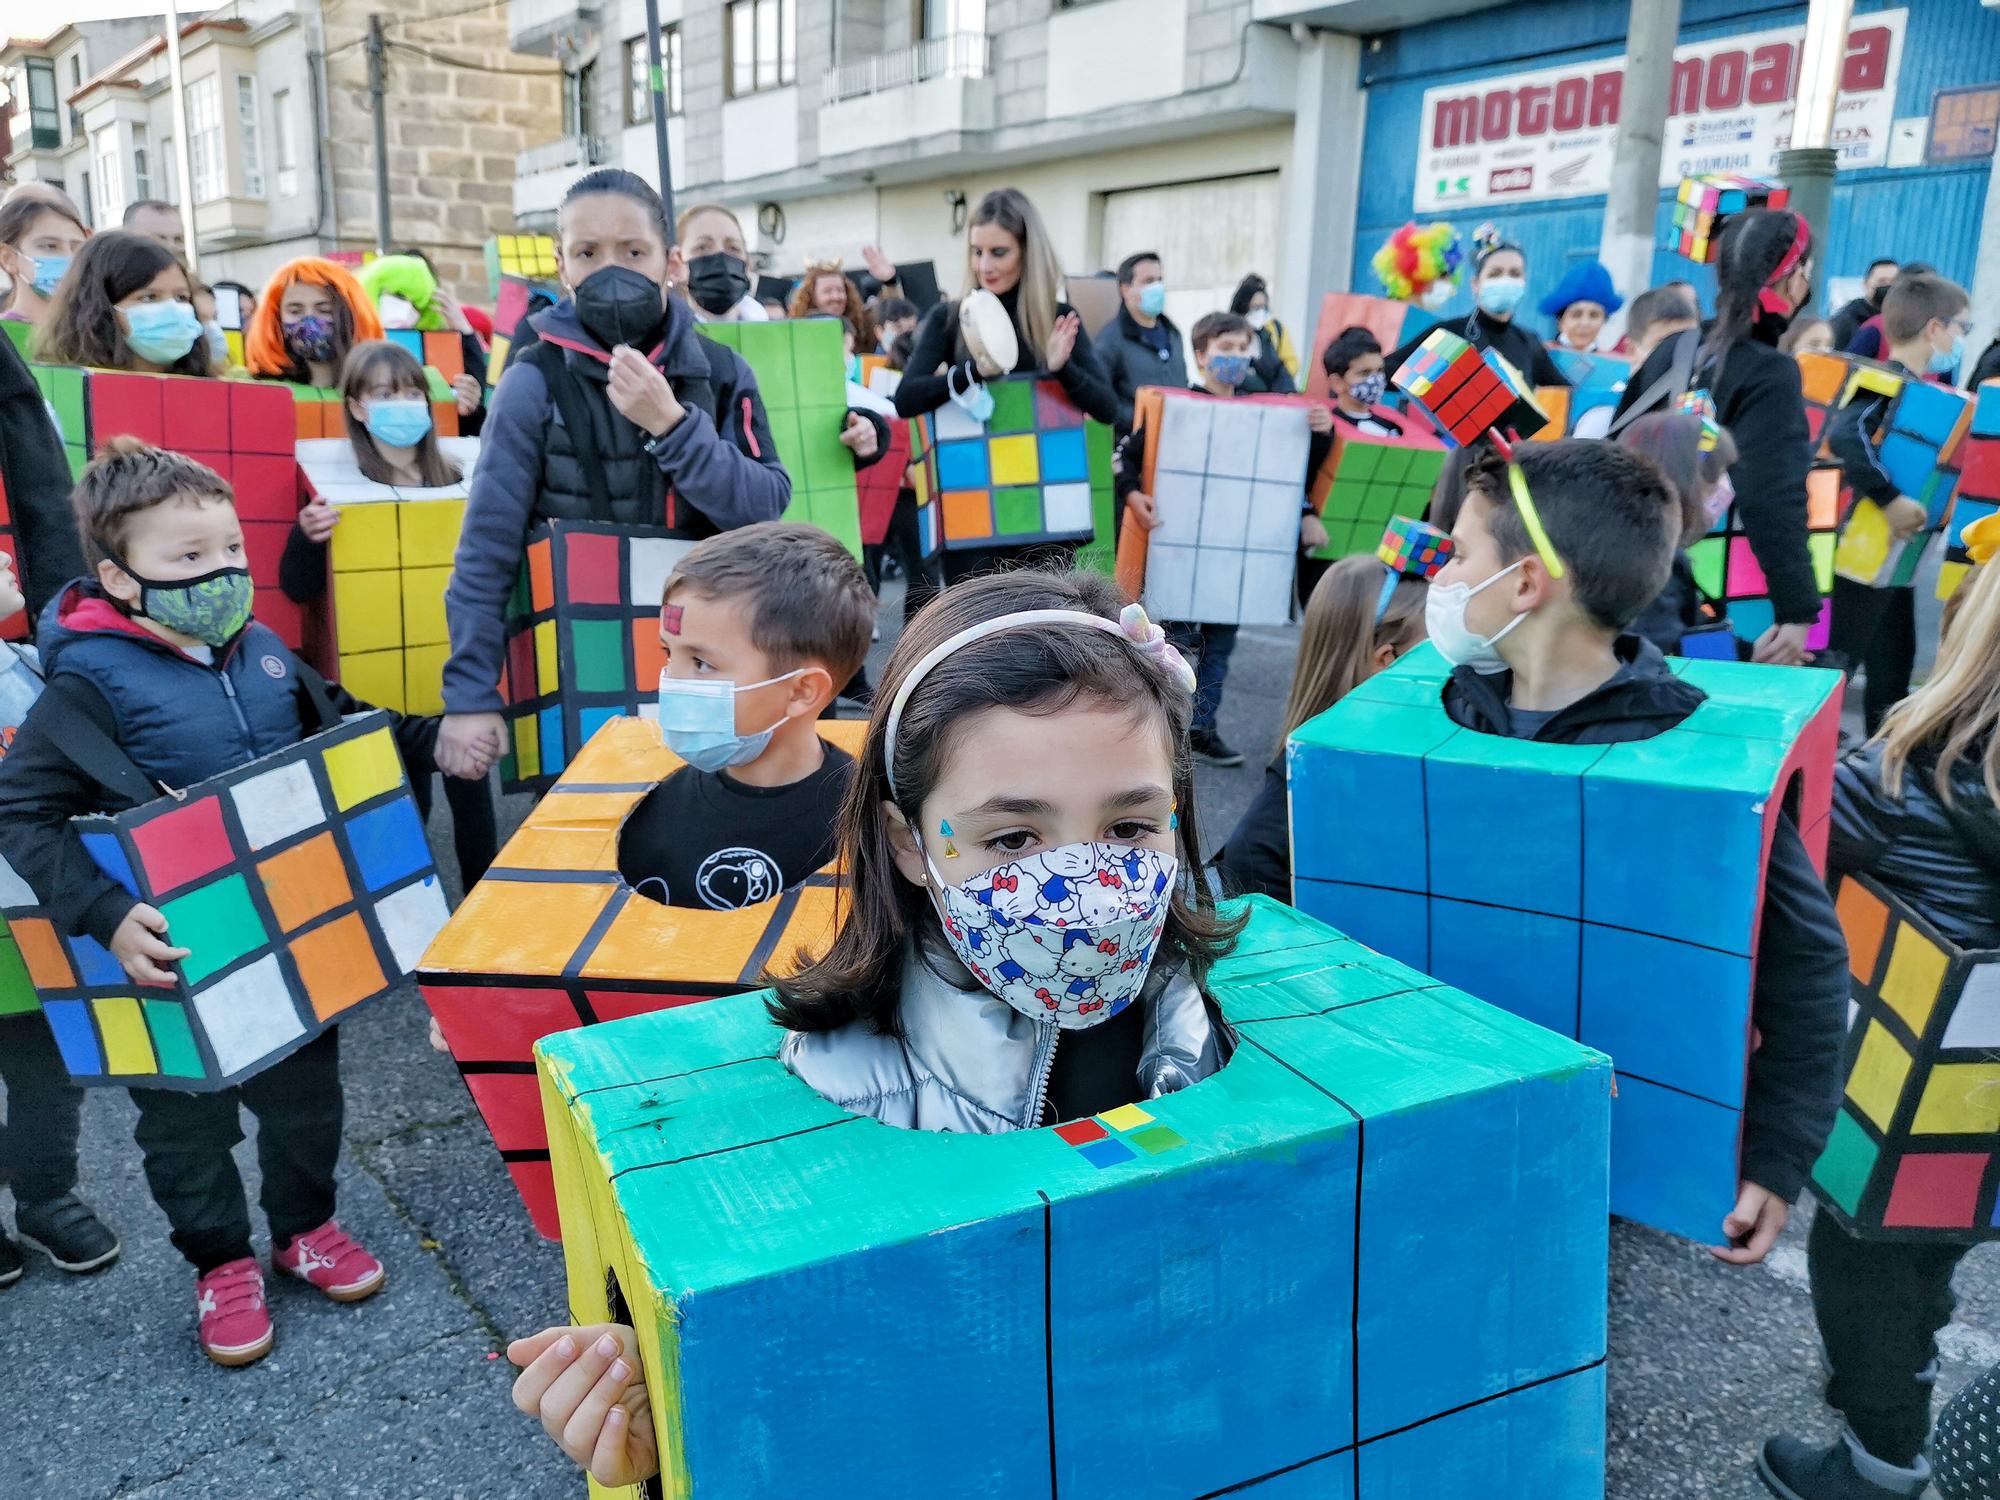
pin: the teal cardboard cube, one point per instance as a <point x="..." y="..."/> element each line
<point x="1376" y="1235"/>
<point x="1608" y="892"/>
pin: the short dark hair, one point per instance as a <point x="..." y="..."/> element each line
<point x="901" y="347"/>
<point x="1214" y="325"/>
<point x="1349" y="345"/>
<point x="809" y="600"/>
<point x="1660" y="304"/>
<point x="142" y="205"/>
<point x="1877" y="264"/>
<point x="127" y="478"/>
<point x="1129" y="266"/>
<point x="1610" y="514"/>
<point x="893" y="309"/>
<point x="1914" y="300"/>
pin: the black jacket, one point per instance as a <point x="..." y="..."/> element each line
<point x="1258" y="855"/>
<point x="1847" y="322"/>
<point x="1758" y="397"/>
<point x="1520" y="346"/>
<point x="1799" y="1004"/>
<point x="1943" y="861"/>
<point x="1675" y="612"/>
<point x="36" y="476"/>
<point x="1130" y="362"/>
<point x="1269" y="374"/>
<point x="1987" y="369"/>
<point x="1850" y="438"/>
<point x="923" y="388"/>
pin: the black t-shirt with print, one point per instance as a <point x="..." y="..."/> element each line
<point x="704" y="839"/>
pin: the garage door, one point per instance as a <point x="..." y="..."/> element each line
<point x="1210" y="235"/>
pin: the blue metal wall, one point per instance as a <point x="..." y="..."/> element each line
<point x="1912" y="213"/>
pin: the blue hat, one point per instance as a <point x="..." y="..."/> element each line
<point x="1586" y="281"/>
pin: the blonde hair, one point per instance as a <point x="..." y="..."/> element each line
<point x="690" y="214"/>
<point x="1957" y="711"/>
<point x="1041" y="273"/>
<point x="1340" y="636"/>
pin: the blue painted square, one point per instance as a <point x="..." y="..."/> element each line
<point x="1504" y="821"/>
<point x="94" y="963"/>
<point x="1986" y="413"/>
<point x="963" y="466"/>
<point x="1546" y="1441"/>
<point x="1967" y="511"/>
<point x="1393" y="922"/>
<point x="1108" y="1152"/>
<point x="590" y="720"/>
<point x="1521" y="961"/>
<point x="410" y="339"/>
<point x="109" y="855"/>
<point x="1944" y="484"/>
<point x="1910" y="462"/>
<point x="1673" y="1160"/>
<point x="554" y="755"/>
<point x="1750" y="618"/>
<point x="1065" y="460"/>
<point x="76" y="1038"/>
<point x="1673" y="1013"/>
<point x="388" y="844"/>
<point x="1929" y="411"/>
<point x="1357" y="792"/>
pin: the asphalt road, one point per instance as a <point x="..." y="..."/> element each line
<point x="404" y="1396"/>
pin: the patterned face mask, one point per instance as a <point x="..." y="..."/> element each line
<point x="310" y="340"/>
<point x="1065" y="936"/>
<point x="211" y="608"/>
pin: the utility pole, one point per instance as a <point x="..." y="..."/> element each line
<point x="183" y="157"/>
<point x="1634" y="200"/>
<point x="378" y="69"/>
<point x="1809" y="165"/>
<point x="658" y="80"/>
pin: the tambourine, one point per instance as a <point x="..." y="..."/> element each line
<point x="989" y="334"/>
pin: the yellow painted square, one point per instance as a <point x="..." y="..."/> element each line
<point x="1916" y="969"/>
<point x="365" y="539"/>
<point x="430" y="532"/>
<point x="1950" y="576"/>
<point x="368" y="611"/>
<point x="518" y="927"/>
<point x="361" y="768"/>
<point x="1877" y="1080"/>
<point x="423" y="606"/>
<point x="1126" y="1117"/>
<point x="547" y="671"/>
<point x="1960" y="1099"/>
<point x="527" y="746"/>
<point x="128" y="1049"/>
<point x="423" y="679"/>
<point x="376" y="678"/>
<point x="1014" y="460"/>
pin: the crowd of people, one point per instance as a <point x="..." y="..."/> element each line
<point x="1556" y="615"/>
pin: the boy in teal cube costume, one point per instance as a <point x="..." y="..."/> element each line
<point x="1220" y="1289"/>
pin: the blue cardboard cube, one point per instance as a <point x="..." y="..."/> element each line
<point x="1608" y="892"/>
<point x="1986" y="410"/>
<point x="1378" y="1234"/>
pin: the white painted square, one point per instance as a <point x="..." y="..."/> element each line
<point x="278" y="804"/>
<point x="249" y="1014"/>
<point x="1284" y="445"/>
<point x="1184" y="425"/>
<point x="1975" y="1021"/>
<point x="1233" y="437"/>
<point x="1218" y="587"/>
<point x="1066" y="507"/>
<point x="409" y="918"/>
<point x="1225" y="512"/>
<point x="1169" y="581"/>
<point x="1267" y="588"/>
<point x="951" y="421"/>
<point x="15" y="892"/>
<point x="1274" y="518"/>
<point x="653" y="558"/>
<point x="1178" y="497"/>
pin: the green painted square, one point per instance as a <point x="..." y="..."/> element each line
<point x="819" y="363"/>
<point x="785" y="437"/>
<point x="173" y="1042"/>
<point x="218" y="924"/>
<point x="1844" y="1168"/>
<point x="1708" y="557"/>
<point x="1097" y="554"/>
<point x="440" y="388"/>
<point x="20" y="333"/>
<point x="517" y="602"/>
<point x="1017" y="512"/>
<point x="729" y="335"/>
<point x="827" y="462"/>
<point x="768" y="350"/>
<point x="65" y="392"/>
<point x="832" y="511"/>
<point x="1013" y="406"/>
<point x="17" y="991"/>
<point x="1156" y="1138"/>
<point x="79" y="460"/>
<point x="1097" y="438"/>
<point x="597" y="656"/>
<point x="1821" y="544"/>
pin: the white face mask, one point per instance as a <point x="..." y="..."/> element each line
<point x="1259" y="316"/>
<point x="1444" y="619"/>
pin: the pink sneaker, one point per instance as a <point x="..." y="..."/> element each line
<point x="330" y="1260"/>
<point x="235" y="1324"/>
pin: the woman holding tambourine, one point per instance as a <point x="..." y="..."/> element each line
<point x="1010" y="320"/>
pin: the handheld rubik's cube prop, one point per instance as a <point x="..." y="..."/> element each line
<point x="531" y="257"/>
<point x="1978" y="487"/>
<point x="554" y="938"/>
<point x="1704" y="204"/>
<point x="514" y="298"/>
<point x="1227" y="476"/>
<point x="1727" y="571"/>
<point x="1384" y="317"/>
<point x="1409" y="549"/>
<point x="303" y="886"/>
<point x="1642" y="887"/>
<point x="748" y="1228"/>
<point x="1468" y="391"/>
<point x="390" y="559"/>
<point x="1917" y="445"/>
<point x="13" y="627"/>
<point x="1366" y="481"/>
<point x="1037" y="470"/>
<point x="1912" y="1151"/>
<point x="801" y="369"/>
<point x="1595" y="380"/>
<point x="583" y="641"/>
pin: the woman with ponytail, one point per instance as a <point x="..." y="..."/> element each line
<point x="1499" y="283"/>
<point x="1763" y="276"/>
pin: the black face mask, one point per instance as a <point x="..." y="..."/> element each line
<point x="619" y="306"/>
<point x="718" y="282"/>
<point x="1876" y="297"/>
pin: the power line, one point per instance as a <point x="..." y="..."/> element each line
<point x="472" y="67"/>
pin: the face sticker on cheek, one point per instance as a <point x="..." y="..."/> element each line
<point x="670" y="618"/>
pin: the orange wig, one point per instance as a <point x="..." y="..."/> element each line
<point x="264" y="348"/>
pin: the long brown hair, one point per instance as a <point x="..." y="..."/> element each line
<point x="1957" y="711"/>
<point x="81" y="325"/>
<point x="1673" y="441"/>
<point x="405" y="374"/>
<point x="1038" y="671"/>
<point x="860" y="322"/>
<point x="1340" y="636"/>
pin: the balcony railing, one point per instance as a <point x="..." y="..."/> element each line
<point x="962" y="54"/>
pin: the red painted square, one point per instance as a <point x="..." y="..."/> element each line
<point x="183" y="846"/>
<point x="281" y="616"/>
<point x="616" y="1005"/>
<point x="1979" y="468"/>
<point x="196" y="416"/>
<point x="536" y="1181"/>
<point x="1936" y="1191"/>
<point x="511" y="1105"/>
<point x="522" y="684"/>
<point x="592" y="568"/>
<point x="122" y="405"/>
<point x="492" y="1023"/>
<point x="1081" y="1132"/>
<point x="262" y="418"/>
<point x="267" y="487"/>
<point x="264" y="543"/>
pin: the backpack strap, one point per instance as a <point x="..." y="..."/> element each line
<point x="319" y="695"/>
<point x="87" y="747"/>
<point x="569" y="400"/>
<point x="1675" y="382"/>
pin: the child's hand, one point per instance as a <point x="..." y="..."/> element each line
<point x="469" y="393"/>
<point x="1753" y="1226"/>
<point x="583" y="1384"/>
<point x="1905" y="516"/>
<point x="1781" y="646"/>
<point x="469" y="744"/>
<point x="317" y="521"/>
<point x="641" y="393"/>
<point x="1319" y="419"/>
<point x="1062" y="339"/>
<point x="141" y="948"/>
<point x="438" y="1043"/>
<point x="1145" y="508"/>
<point x="1312" y="532"/>
<point x="860" y="436"/>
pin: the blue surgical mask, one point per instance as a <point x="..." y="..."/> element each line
<point x="1153" y="298"/>
<point x="1946" y="361"/>
<point x="218" y="346"/>
<point x="161" y="332"/>
<point x="49" y="272"/>
<point x="976" y="401"/>
<point x="1229" y="369"/>
<point x="698" y="721"/>
<point x="398" y="424"/>
<point x="1501" y="295"/>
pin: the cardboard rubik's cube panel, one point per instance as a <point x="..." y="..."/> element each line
<point x="878" y="485"/>
<point x="1554" y="400"/>
<point x="22" y="335"/>
<point x="801" y="369"/>
<point x="1037" y="470"/>
<point x="1628" y="920"/>
<point x="583" y="640"/>
<point x="320" y="412"/>
<point x="1978" y="493"/>
<point x="13" y="627"/>
<point x="1824" y="380"/>
<point x="752" y="1232"/>
<point x="1229" y="477"/>
<point x="531" y="257"/>
<point x="553" y="938"/>
<point x="1595" y="380"/>
<point x="1467" y="390"/>
<point x="1366" y="480"/>
<point x="514" y="298"/>
<point x="1917" y="445"/>
<point x="1384" y="317"/>
<point x="64" y="388"/>
<point x="390" y="559"/>
<point x="303" y="886"/>
<point x="1912" y="1151"/>
<point x="1704" y="204"/>
<point x="441" y="350"/>
<point x="1726" y="567"/>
